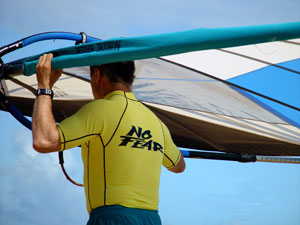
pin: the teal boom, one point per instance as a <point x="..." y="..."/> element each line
<point x="152" y="46"/>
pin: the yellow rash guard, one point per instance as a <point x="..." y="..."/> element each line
<point x="123" y="148"/>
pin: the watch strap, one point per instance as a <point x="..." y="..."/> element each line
<point x="46" y="91"/>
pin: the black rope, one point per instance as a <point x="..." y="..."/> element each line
<point x="61" y="162"/>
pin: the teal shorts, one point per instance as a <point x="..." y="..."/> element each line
<point x="120" y="215"/>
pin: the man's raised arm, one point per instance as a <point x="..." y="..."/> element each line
<point x="44" y="130"/>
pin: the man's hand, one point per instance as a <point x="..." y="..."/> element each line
<point x="46" y="76"/>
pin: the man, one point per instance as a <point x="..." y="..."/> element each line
<point x="123" y="144"/>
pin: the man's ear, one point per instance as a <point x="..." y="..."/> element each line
<point x="98" y="76"/>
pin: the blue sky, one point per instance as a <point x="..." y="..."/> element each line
<point x="34" y="191"/>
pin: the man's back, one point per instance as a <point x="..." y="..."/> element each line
<point x="125" y="146"/>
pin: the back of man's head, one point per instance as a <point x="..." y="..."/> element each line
<point x="118" y="72"/>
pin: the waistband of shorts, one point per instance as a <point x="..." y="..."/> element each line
<point x="111" y="208"/>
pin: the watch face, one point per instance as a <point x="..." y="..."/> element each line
<point x="48" y="91"/>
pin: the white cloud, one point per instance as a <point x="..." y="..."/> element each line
<point x="36" y="189"/>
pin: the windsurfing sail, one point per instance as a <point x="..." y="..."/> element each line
<point x="202" y="111"/>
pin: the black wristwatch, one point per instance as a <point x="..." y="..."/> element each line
<point x="47" y="91"/>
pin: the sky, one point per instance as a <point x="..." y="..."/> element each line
<point x="33" y="189"/>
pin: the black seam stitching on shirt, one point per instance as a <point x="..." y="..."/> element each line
<point x="178" y="158"/>
<point x="169" y="159"/>
<point x="75" y="139"/>
<point x="129" y="98"/>
<point x="104" y="171"/>
<point x="163" y="135"/>
<point x="88" y="173"/>
<point x="119" y="120"/>
<point x="64" y="142"/>
<point x="134" y="100"/>
<point x="169" y="167"/>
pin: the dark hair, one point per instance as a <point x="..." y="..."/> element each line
<point x="118" y="72"/>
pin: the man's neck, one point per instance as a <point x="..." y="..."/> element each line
<point x="108" y="87"/>
<point x="120" y="87"/>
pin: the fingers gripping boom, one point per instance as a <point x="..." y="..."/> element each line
<point x="46" y="76"/>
